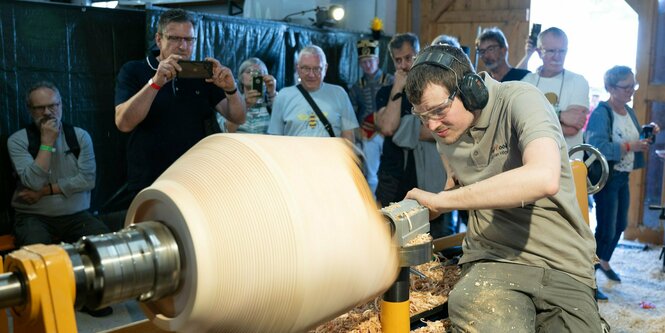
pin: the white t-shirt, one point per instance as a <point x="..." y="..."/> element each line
<point x="623" y="130"/>
<point x="574" y="90"/>
<point x="293" y="116"/>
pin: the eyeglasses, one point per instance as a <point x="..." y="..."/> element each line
<point x="50" y="107"/>
<point x="491" y="48"/>
<point x="437" y="113"/>
<point x="552" y="52"/>
<point x="630" y="87"/>
<point x="315" y="70"/>
<point x="178" y="39"/>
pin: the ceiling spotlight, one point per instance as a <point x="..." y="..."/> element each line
<point x="324" y="16"/>
<point x="336" y="12"/>
<point x="328" y="17"/>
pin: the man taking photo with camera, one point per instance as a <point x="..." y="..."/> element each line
<point x="166" y="115"/>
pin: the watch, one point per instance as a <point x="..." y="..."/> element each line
<point x="397" y="96"/>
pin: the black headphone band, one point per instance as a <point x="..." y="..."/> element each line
<point x="473" y="92"/>
<point x="437" y="58"/>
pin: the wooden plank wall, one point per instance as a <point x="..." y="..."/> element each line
<point x="464" y="18"/>
<point x="649" y="92"/>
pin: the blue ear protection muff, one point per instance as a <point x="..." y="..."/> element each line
<point x="473" y="92"/>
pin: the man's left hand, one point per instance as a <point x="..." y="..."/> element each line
<point x="574" y="116"/>
<point x="29" y="196"/>
<point x="426" y="199"/>
<point x="221" y="75"/>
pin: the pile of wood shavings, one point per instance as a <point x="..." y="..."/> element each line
<point x="434" y="327"/>
<point x="420" y="239"/>
<point x="425" y="294"/>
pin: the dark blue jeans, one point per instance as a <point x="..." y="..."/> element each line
<point x="611" y="213"/>
<point x="33" y="229"/>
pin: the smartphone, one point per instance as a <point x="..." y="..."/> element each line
<point x="195" y="69"/>
<point x="647" y="133"/>
<point x="535" y="31"/>
<point x="257" y="83"/>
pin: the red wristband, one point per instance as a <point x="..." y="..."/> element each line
<point x="154" y="85"/>
<point x="627" y="146"/>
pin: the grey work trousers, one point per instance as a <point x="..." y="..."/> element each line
<point x="504" y="297"/>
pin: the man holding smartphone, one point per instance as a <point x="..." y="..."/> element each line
<point x="164" y="114"/>
<point x="568" y="92"/>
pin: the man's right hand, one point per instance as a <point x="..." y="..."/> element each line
<point x="29" y="196"/>
<point x="426" y="199"/>
<point x="168" y="68"/>
<point x="574" y="116"/>
<point x="400" y="81"/>
<point x="49" y="130"/>
<point x="529" y="47"/>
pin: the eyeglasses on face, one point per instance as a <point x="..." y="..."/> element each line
<point x="50" y="107"/>
<point x="552" y="52"/>
<point x="178" y="39"/>
<point x="490" y="48"/>
<point x="306" y="70"/>
<point x="630" y="87"/>
<point x="437" y="113"/>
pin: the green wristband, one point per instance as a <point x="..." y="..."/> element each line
<point x="47" y="148"/>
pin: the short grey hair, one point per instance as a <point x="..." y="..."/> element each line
<point x="313" y="50"/>
<point x="554" y="31"/>
<point x="493" y="33"/>
<point x="399" y="39"/>
<point x="616" y="74"/>
<point x="176" y="15"/>
<point x="250" y="62"/>
<point x="39" y="85"/>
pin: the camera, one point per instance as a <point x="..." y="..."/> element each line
<point x="647" y="133"/>
<point x="257" y="82"/>
<point x="535" y="31"/>
<point x="195" y="69"/>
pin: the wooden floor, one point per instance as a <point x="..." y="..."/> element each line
<point x="642" y="286"/>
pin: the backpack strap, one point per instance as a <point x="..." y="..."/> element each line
<point x="34" y="140"/>
<point x="72" y="141"/>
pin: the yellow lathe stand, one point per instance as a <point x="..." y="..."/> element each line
<point x="44" y="284"/>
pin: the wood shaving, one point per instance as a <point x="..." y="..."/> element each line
<point x="420" y="239"/>
<point x="434" y="326"/>
<point x="425" y="294"/>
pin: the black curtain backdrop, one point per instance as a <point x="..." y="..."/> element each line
<point x="81" y="49"/>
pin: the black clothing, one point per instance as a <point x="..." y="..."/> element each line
<point x="515" y="74"/>
<point x="395" y="178"/>
<point x="175" y="122"/>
